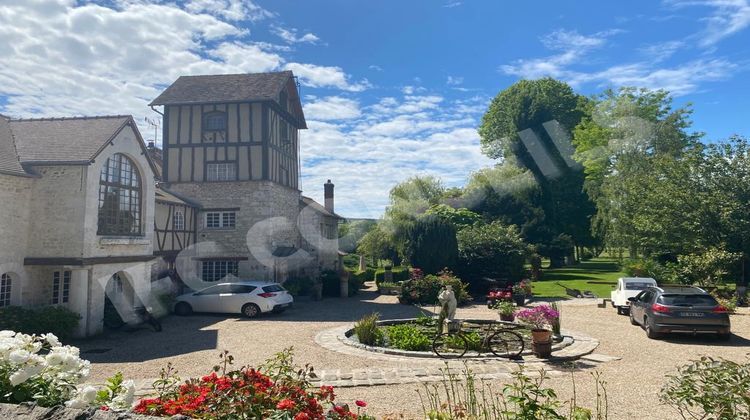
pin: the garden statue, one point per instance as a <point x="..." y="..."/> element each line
<point x="448" y="302"/>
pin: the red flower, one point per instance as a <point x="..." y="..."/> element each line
<point x="360" y="403"/>
<point x="104" y="408"/>
<point x="302" y="416"/>
<point x="285" y="405"/>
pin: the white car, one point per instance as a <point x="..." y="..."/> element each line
<point x="628" y="287"/>
<point x="249" y="298"/>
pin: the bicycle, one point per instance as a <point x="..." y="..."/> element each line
<point x="502" y="343"/>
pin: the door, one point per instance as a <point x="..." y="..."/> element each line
<point x="207" y="300"/>
<point x="232" y="300"/>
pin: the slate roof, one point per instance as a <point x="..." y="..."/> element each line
<point x="70" y="140"/>
<point x="221" y="88"/>
<point x="166" y="196"/>
<point x="9" y="162"/>
<point x="314" y="205"/>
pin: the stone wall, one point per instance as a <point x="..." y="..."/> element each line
<point x="15" y="195"/>
<point x="29" y="412"/>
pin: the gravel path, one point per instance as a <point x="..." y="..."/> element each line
<point x="193" y="343"/>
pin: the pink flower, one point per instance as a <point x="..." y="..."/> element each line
<point x="360" y="403"/>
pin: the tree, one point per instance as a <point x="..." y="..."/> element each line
<point x="492" y="250"/>
<point x="379" y="243"/>
<point x="351" y="232"/>
<point x="431" y="244"/>
<point x="528" y="125"/>
<point x="414" y="196"/>
<point x="460" y="218"/>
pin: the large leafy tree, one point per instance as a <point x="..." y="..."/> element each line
<point x="528" y="126"/>
<point x="431" y="244"/>
<point x="492" y="250"/>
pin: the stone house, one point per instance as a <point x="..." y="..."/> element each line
<point x="77" y="205"/>
<point x="231" y="145"/>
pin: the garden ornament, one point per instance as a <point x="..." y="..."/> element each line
<point x="448" y="302"/>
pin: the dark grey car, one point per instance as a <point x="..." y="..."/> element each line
<point x="686" y="309"/>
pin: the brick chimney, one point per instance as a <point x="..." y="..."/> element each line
<point x="328" y="195"/>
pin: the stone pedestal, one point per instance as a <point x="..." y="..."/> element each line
<point x="362" y="264"/>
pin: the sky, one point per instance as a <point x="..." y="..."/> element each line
<point x="390" y="89"/>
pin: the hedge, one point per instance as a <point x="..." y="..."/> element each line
<point x="399" y="274"/>
<point x="57" y="320"/>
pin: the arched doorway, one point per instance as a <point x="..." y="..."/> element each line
<point x="119" y="301"/>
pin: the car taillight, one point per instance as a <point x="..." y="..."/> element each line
<point x="266" y="295"/>
<point x="657" y="307"/>
<point x="720" y="310"/>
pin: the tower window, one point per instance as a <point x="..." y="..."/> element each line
<point x="215" y="121"/>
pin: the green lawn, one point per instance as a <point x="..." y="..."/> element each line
<point x="585" y="276"/>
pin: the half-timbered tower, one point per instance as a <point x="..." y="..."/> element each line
<point x="231" y="144"/>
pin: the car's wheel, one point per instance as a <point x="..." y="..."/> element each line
<point x="619" y="311"/>
<point x="650" y="333"/>
<point x="632" y="320"/>
<point x="250" y="310"/>
<point x="183" y="309"/>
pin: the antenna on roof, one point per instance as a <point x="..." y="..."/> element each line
<point x="155" y="124"/>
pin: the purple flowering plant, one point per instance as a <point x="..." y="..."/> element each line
<point x="539" y="317"/>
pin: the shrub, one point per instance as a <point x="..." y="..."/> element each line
<point x="367" y="330"/>
<point x="399" y="274"/>
<point x="586" y="255"/>
<point x="645" y="267"/>
<point x="492" y="250"/>
<point x="408" y="337"/>
<point x="356" y="281"/>
<point x="278" y="390"/>
<point x="57" y="320"/>
<point x="299" y="286"/>
<point x="425" y="290"/>
<point x="709" y="388"/>
<point x="431" y="244"/>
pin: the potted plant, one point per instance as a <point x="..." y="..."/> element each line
<point x="520" y="291"/>
<point x="540" y="319"/>
<point x="506" y="310"/>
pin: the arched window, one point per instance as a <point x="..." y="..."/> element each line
<point x="5" y="285"/>
<point x="119" y="197"/>
<point x="179" y="220"/>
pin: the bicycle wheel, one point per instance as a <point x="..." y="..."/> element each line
<point x="506" y="344"/>
<point x="449" y="346"/>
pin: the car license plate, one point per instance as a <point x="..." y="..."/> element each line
<point x="693" y="314"/>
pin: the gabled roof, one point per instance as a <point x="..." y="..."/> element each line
<point x="70" y="140"/>
<point x="166" y="196"/>
<point x="10" y="164"/>
<point x="226" y="88"/>
<point x="220" y="88"/>
<point x="314" y="205"/>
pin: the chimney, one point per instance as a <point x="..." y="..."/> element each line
<point x="328" y="195"/>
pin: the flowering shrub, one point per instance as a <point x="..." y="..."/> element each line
<point x="539" y="317"/>
<point x="38" y="369"/>
<point x="425" y="290"/>
<point x="276" y="391"/>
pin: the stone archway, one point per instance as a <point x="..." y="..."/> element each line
<point x="119" y="301"/>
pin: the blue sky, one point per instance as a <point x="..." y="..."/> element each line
<point x="391" y="89"/>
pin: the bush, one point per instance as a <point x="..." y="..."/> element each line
<point x="367" y="330"/>
<point x="492" y="250"/>
<point x="710" y="388"/>
<point x="431" y="244"/>
<point x="299" y="286"/>
<point x="586" y="255"/>
<point x="645" y="267"/>
<point x="408" y="337"/>
<point x="399" y="274"/>
<point x="425" y="290"/>
<point x="57" y="320"/>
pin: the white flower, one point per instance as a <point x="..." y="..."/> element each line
<point x="19" y="356"/>
<point x="76" y="403"/>
<point x="88" y="394"/>
<point x="7" y="333"/>
<point x="51" y="339"/>
<point x="20" y="376"/>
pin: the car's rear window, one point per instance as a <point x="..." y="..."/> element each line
<point x="273" y="288"/>
<point x="687" y="300"/>
<point x="636" y="286"/>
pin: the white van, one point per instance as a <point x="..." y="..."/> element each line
<point x="628" y="287"/>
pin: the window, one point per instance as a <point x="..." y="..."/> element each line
<point x="241" y="289"/>
<point x="217" y="270"/>
<point x="119" y="197"/>
<point x="178" y="223"/>
<point x="284" y="133"/>
<point x="117" y="283"/>
<point x="221" y="171"/>
<point x="275" y="288"/>
<point x="327" y="231"/>
<point x="60" y="287"/>
<point x="216" y="290"/>
<point x="5" y="285"/>
<point x="220" y="220"/>
<point x="215" y="121"/>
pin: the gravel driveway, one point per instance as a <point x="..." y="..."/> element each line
<point x="193" y="344"/>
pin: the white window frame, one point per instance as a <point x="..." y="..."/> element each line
<point x="225" y="219"/>
<point x="178" y="222"/>
<point x="6" y="284"/>
<point x="61" y="287"/>
<point x="221" y="171"/>
<point x="215" y="270"/>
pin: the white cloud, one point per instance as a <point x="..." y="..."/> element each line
<point x="452" y="4"/>
<point x="326" y="76"/>
<point x="229" y="9"/>
<point x="728" y="18"/>
<point x="454" y="80"/>
<point x="332" y="108"/>
<point x="290" y="35"/>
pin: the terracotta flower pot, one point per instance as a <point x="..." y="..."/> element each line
<point x="541" y="336"/>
